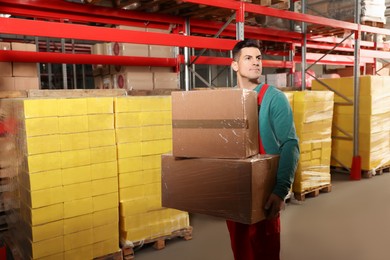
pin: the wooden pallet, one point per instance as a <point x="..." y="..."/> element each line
<point x="158" y="243"/>
<point x="379" y="171"/>
<point x="365" y="173"/>
<point x="113" y="256"/>
<point x="154" y="92"/>
<point x="373" y="24"/>
<point x="76" y="93"/>
<point x="301" y="196"/>
<point x="13" y="94"/>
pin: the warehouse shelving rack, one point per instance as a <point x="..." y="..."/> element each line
<point x="66" y="20"/>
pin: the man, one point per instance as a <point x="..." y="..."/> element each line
<point x="261" y="241"/>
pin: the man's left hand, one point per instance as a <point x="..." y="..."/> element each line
<point x="273" y="206"/>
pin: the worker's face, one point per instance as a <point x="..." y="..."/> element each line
<point x="248" y="64"/>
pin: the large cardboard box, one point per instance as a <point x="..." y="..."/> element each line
<point x="166" y="80"/>
<point x="5" y="69"/>
<point x="134" y="80"/>
<point x="24" y="83"/>
<point x="129" y="49"/>
<point x="21" y="69"/>
<point x="17" y="46"/>
<point x="215" y="123"/>
<point x="234" y="189"/>
<point x="7" y="83"/>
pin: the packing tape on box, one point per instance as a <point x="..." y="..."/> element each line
<point x="215" y="123"/>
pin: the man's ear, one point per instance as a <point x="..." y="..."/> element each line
<point x="234" y="65"/>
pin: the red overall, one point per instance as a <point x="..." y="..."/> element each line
<point x="259" y="241"/>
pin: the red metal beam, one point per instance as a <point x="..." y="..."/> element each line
<point x="80" y="12"/>
<point x="375" y="54"/>
<point x="53" y="57"/>
<point x="205" y="60"/>
<point x="258" y="9"/>
<point x="332" y="40"/>
<point x="228" y="4"/>
<point x="332" y="59"/>
<point x="250" y="31"/>
<point x="94" y="33"/>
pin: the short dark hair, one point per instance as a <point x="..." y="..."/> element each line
<point x="244" y="44"/>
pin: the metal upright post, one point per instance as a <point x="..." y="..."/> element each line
<point x="240" y="16"/>
<point x="49" y="67"/>
<point x="83" y="74"/>
<point x="38" y="65"/>
<point x="64" y="72"/>
<point x="187" y="58"/>
<point x="303" y="49"/>
<point x="74" y="69"/>
<point x="356" y="160"/>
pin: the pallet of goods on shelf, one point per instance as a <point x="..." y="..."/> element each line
<point x="374" y="127"/>
<point x="372" y="14"/>
<point x="313" y="111"/>
<point x="135" y="77"/>
<point x="18" y="76"/>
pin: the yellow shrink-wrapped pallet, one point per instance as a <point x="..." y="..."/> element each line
<point x="143" y="127"/>
<point x="374" y="126"/>
<point x="313" y="111"/>
<point x="67" y="177"/>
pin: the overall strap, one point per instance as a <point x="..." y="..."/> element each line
<point x="259" y="100"/>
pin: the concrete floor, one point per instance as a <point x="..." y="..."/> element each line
<point x="349" y="223"/>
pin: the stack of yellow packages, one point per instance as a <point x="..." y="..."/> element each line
<point x="313" y="111"/>
<point x="374" y="123"/>
<point x="144" y="132"/>
<point x="67" y="178"/>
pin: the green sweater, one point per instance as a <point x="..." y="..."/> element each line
<point x="278" y="135"/>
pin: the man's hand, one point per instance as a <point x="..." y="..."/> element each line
<point x="273" y="206"/>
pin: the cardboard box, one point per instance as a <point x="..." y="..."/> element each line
<point x="5" y="69"/>
<point x="134" y="81"/>
<point x="25" y="83"/>
<point x="17" y="46"/>
<point x="159" y="51"/>
<point x="129" y="49"/>
<point x="7" y="83"/>
<point x="215" y="123"/>
<point x="166" y="80"/>
<point x="115" y="69"/>
<point x="234" y="189"/>
<point x="22" y="69"/>
<point x="277" y="80"/>
<point x="5" y="46"/>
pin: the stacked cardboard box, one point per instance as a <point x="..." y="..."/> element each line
<point x="144" y="132"/>
<point x="374" y="126"/>
<point x="215" y="168"/>
<point x="67" y="178"/>
<point x="313" y="112"/>
<point x="18" y="75"/>
<point x="135" y="77"/>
